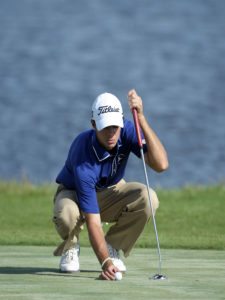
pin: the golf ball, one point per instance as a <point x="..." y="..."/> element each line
<point x="118" y="276"/>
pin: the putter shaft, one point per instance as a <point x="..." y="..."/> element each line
<point x="153" y="216"/>
<point x="138" y="132"/>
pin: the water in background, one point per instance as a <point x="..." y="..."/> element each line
<point x="56" y="56"/>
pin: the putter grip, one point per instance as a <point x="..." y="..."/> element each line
<point x="137" y="127"/>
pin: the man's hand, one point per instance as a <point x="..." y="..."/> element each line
<point x="97" y="239"/>
<point x="135" y="101"/>
<point x="108" y="272"/>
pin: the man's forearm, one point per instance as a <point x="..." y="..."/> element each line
<point x="98" y="243"/>
<point x="156" y="155"/>
<point x="96" y="237"/>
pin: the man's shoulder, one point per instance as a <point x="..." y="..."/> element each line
<point x="128" y="129"/>
<point x="81" y="143"/>
<point x="127" y="123"/>
<point x="83" y="138"/>
<point x="85" y="134"/>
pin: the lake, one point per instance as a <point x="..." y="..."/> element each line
<point x="56" y="56"/>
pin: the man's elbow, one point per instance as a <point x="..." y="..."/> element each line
<point x="163" y="166"/>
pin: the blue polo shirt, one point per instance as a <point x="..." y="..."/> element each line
<point x="89" y="167"/>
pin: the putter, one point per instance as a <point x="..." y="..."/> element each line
<point x="157" y="276"/>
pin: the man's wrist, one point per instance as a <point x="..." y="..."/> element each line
<point x="141" y="117"/>
<point x="107" y="261"/>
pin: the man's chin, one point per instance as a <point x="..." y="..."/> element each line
<point x="110" y="147"/>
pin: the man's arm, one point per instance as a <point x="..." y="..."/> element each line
<point x="97" y="240"/>
<point x="156" y="156"/>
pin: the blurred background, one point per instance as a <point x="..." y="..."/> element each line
<point x="56" y="56"/>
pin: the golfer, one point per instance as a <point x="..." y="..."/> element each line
<point x="91" y="186"/>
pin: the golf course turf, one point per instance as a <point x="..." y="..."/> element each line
<point x="191" y="227"/>
<point x="31" y="272"/>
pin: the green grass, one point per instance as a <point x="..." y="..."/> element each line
<point x="188" y="218"/>
<point x="31" y="272"/>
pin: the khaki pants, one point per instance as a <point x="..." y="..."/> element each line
<point x="126" y="205"/>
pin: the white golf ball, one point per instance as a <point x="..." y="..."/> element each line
<point x="118" y="276"/>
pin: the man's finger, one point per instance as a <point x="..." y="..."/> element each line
<point x="132" y="93"/>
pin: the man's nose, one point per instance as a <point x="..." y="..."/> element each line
<point x="112" y="129"/>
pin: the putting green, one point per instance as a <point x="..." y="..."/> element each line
<point x="32" y="273"/>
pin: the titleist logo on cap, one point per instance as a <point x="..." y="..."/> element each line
<point x="106" y="109"/>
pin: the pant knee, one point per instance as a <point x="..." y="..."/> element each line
<point x="154" y="202"/>
<point x="66" y="217"/>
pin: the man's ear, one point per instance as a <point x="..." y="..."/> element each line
<point x="93" y="124"/>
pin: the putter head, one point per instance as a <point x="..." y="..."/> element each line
<point x="158" y="277"/>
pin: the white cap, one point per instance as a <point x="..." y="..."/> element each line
<point x="107" y="111"/>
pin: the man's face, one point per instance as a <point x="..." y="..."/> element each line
<point x="108" y="137"/>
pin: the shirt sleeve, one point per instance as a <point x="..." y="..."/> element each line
<point x="85" y="188"/>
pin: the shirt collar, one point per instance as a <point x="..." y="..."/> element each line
<point x="100" y="152"/>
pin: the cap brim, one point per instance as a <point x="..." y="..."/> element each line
<point x="106" y="122"/>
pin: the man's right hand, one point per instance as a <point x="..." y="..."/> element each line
<point x="108" y="272"/>
<point x="97" y="239"/>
